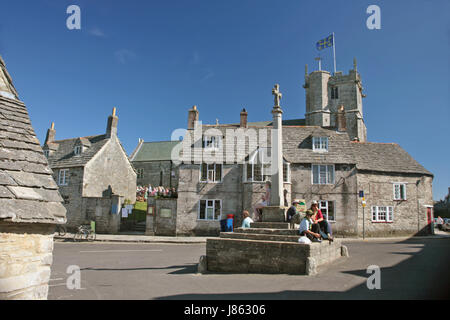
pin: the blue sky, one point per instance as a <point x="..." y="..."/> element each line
<point x="154" y="60"/>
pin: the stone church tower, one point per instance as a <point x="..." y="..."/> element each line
<point x="326" y="93"/>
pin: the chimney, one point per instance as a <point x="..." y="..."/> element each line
<point x="340" y="119"/>
<point x="50" y="134"/>
<point x="192" y="117"/>
<point x="111" y="129"/>
<point x="244" y="114"/>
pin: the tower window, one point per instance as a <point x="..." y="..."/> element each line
<point x="334" y="93"/>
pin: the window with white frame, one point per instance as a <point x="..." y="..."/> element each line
<point x="63" y="177"/>
<point x="77" y="150"/>
<point x="382" y="214"/>
<point x="320" y="144"/>
<point x="212" y="142"/>
<point x="322" y="174"/>
<point x="399" y="191"/>
<point x="328" y="210"/>
<point x="140" y="173"/>
<point x="210" y="172"/>
<point x="259" y="170"/>
<point x="209" y="209"/>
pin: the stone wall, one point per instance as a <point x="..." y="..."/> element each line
<point x="25" y="260"/>
<point x="165" y="220"/>
<point x="110" y="168"/>
<point x="72" y="195"/>
<point x="99" y="210"/>
<point x="250" y="256"/>
<point x="410" y="215"/>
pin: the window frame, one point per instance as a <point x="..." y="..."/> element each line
<point x="80" y="148"/>
<point x="321" y="144"/>
<point x="213" y="207"/>
<point x="389" y="214"/>
<point x="327" y="209"/>
<point x="140" y="173"/>
<point x="65" y="176"/>
<point x="334" y="93"/>
<point x="400" y="185"/>
<point x="214" y="172"/>
<point x="215" y="142"/>
<point x="326" y="174"/>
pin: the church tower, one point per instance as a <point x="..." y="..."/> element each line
<point x="325" y="93"/>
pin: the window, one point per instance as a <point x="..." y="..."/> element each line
<point x="211" y="142"/>
<point x="77" y="150"/>
<point x="327" y="209"/>
<point x="322" y="174"/>
<point x="399" y="191"/>
<point x="46" y="153"/>
<point x="320" y="144"/>
<point x="211" y="172"/>
<point x="209" y="209"/>
<point x="334" y="93"/>
<point x="259" y="170"/>
<point x="63" y="178"/>
<point x="140" y="173"/>
<point x="382" y="214"/>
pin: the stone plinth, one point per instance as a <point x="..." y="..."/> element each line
<point x="274" y="214"/>
<point x="273" y="257"/>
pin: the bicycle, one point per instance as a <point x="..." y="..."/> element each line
<point x="61" y="230"/>
<point x="86" y="232"/>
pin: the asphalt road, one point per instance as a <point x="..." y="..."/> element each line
<point x="411" y="269"/>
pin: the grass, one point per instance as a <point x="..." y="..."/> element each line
<point x="139" y="212"/>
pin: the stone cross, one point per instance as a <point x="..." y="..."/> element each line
<point x="278" y="95"/>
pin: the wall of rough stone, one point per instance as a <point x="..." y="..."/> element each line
<point x="99" y="210"/>
<point x="344" y="193"/>
<point x="72" y="195"/>
<point x="410" y="216"/>
<point x="110" y="168"/>
<point x="25" y="260"/>
<point x="165" y="225"/>
<point x="152" y="173"/>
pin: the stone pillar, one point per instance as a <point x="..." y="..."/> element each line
<point x="276" y="196"/>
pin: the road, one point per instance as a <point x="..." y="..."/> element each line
<point x="411" y="269"/>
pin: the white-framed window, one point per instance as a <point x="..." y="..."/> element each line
<point x="211" y="172"/>
<point x="382" y="214"/>
<point x="63" y="177"/>
<point x="322" y="174"/>
<point x="399" y="191"/>
<point x="140" y="173"/>
<point x="77" y="150"/>
<point x="258" y="167"/>
<point x="328" y="210"/>
<point x="320" y="144"/>
<point x="212" y="142"/>
<point x="210" y="209"/>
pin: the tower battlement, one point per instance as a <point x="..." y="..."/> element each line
<point x="325" y="93"/>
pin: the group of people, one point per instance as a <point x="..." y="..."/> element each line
<point x="143" y="192"/>
<point x="314" y="225"/>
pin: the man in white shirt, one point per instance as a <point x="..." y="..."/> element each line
<point x="309" y="229"/>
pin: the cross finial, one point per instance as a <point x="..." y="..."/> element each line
<point x="277" y="95"/>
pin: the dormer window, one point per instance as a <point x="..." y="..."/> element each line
<point x="77" y="150"/>
<point x="211" y="142"/>
<point x="46" y="153"/>
<point x="320" y="144"/>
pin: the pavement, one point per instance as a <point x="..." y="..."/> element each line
<point x="139" y="238"/>
<point x="416" y="268"/>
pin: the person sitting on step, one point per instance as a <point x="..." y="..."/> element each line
<point x="324" y="226"/>
<point x="309" y="229"/>
<point x="247" y="220"/>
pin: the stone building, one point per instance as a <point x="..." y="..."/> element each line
<point x="94" y="176"/>
<point x="30" y="204"/>
<point x="222" y="168"/>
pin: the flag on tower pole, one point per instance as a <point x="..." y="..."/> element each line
<point x="328" y="42"/>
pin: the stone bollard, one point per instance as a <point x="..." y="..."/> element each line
<point x="311" y="266"/>
<point x="202" y="265"/>
<point x="344" y="251"/>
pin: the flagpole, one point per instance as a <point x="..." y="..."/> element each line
<point x="334" y="52"/>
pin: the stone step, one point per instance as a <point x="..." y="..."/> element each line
<point x="260" y="237"/>
<point x="270" y="225"/>
<point x="284" y="232"/>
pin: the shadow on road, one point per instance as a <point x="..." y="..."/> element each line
<point x="184" y="269"/>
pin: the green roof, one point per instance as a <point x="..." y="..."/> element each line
<point x="155" y="151"/>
